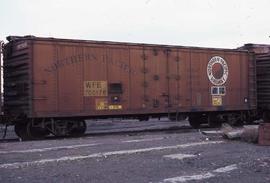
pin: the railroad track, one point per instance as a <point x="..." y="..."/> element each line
<point x="171" y="129"/>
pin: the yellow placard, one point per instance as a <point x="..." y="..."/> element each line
<point x="95" y="88"/>
<point x="101" y="104"/>
<point x="216" y="100"/>
<point x="115" y="107"/>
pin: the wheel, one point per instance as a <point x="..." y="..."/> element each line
<point x="21" y="130"/>
<point x="26" y="131"/>
<point x="194" y="121"/>
<point x="66" y="127"/>
<point x="80" y="128"/>
<point x="17" y="130"/>
<point x="214" y="121"/>
<point x="35" y="132"/>
<point x="266" y="116"/>
<point x="234" y="119"/>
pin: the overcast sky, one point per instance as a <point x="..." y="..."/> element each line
<point x="208" y="23"/>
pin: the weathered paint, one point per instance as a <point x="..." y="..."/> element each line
<point x="152" y="79"/>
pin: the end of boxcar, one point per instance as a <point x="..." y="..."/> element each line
<point x="18" y="91"/>
<point x="262" y="58"/>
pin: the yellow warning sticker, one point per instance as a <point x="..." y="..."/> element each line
<point x="216" y="100"/>
<point x="95" y="88"/>
<point x="101" y="104"/>
<point x="115" y="107"/>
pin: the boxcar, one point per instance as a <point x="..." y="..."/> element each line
<point x="262" y="58"/>
<point x="52" y="85"/>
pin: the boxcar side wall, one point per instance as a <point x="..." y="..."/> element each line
<point x="90" y="79"/>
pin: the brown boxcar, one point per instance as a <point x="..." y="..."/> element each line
<point x="49" y="79"/>
<point x="262" y="58"/>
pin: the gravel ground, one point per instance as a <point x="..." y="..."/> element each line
<point x="166" y="156"/>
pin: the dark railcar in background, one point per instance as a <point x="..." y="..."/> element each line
<point x="52" y="85"/>
<point x="1" y="94"/>
<point x="262" y="58"/>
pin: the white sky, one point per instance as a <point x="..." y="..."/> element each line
<point x="208" y="23"/>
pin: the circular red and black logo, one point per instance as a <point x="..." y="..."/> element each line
<point x="217" y="70"/>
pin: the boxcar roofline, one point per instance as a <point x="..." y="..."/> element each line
<point x="30" y="37"/>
